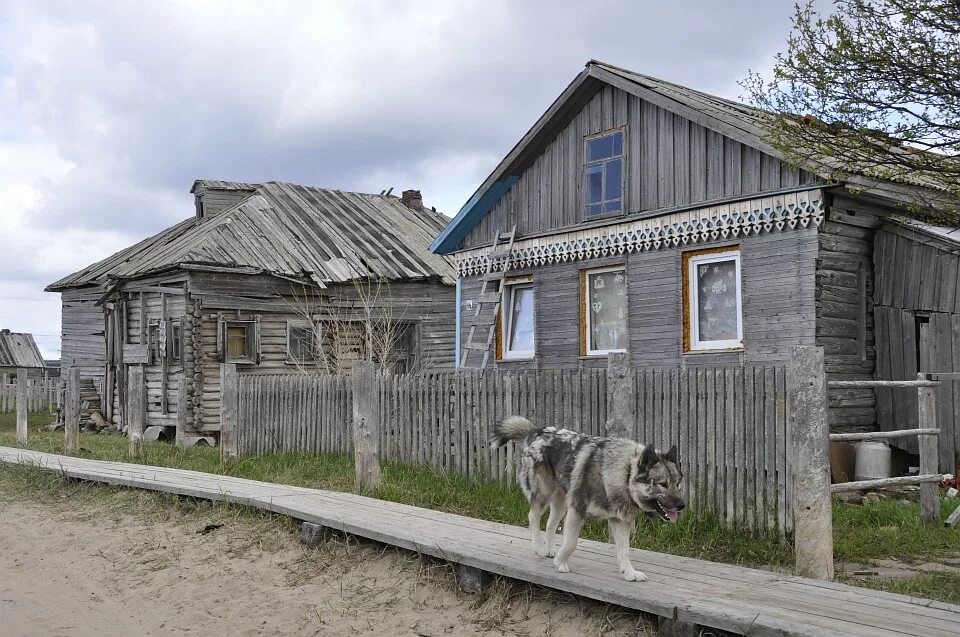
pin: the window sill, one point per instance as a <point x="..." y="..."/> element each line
<point x="719" y="350"/>
<point x="517" y="359"/>
<point x="604" y="215"/>
<point x="240" y="361"/>
<point x="604" y="355"/>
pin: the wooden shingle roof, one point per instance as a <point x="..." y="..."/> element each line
<point x="18" y="349"/>
<point x="315" y="234"/>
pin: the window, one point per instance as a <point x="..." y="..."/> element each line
<point x="603" y="174"/>
<point x="713" y="305"/>
<point x="604" y="310"/>
<point x="392" y="345"/>
<point x="517" y="321"/>
<point x="175" y="341"/>
<point x="155" y="351"/>
<point x="301" y="341"/>
<point x="238" y="341"/>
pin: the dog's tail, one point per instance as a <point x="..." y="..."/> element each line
<point x="512" y="428"/>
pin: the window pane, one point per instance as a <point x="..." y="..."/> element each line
<point x="614" y="180"/>
<point x="614" y="205"/>
<point x="608" y="310"/>
<point x="599" y="147"/>
<point x="301" y="342"/>
<point x="594" y="209"/>
<point x="717" y="299"/>
<point x="593" y="184"/>
<point x="236" y="341"/>
<point x="617" y="144"/>
<point x="521" y="334"/>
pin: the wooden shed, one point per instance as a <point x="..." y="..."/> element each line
<point x="270" y="276"/>
<point x="655" y="219"/>
<point x="18" y="350"/>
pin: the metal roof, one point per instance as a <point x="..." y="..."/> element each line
<point x="315" y="234"/>
<point x="18" y="349"/>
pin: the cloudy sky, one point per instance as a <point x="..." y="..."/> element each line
<point x="110" y="110"/>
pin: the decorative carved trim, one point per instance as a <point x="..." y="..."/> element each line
<point x="725" y="221"/>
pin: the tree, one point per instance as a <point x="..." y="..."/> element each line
<point x="872" y="90"/>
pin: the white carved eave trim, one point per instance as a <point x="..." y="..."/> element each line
<point x="689" y="227"/>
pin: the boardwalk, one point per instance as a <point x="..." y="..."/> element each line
<point x="733" y="598"/>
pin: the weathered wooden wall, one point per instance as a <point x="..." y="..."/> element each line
<point x="430" y="305"/>
<point x="778" y="304"/>
<point x="670" y="162"/>
<point x="845" y="316"/>
<point x="729" y="424"/>
<point x="917" y="313"/>
<point x="82" y="330"/>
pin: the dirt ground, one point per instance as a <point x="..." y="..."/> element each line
<point x="88" y="566"/>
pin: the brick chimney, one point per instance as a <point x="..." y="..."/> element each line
<point x="412" y="199"/>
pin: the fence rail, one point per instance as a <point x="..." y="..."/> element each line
<point x="730" y="424"/>
<point x="41" y="395"/>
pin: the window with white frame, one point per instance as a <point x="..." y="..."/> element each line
<point x="603" y="174"/>
<point x="604" y="310"/>
<point x="518" y="336"/>
<point x="301" y="341"/>
<point x="714" y="306"/>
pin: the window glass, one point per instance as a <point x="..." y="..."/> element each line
<point x="175" y="340"/>
<point x="607" y="311"/>
<point x="520" y="320"/>
<point x="301" y="342"/>
<point x="717" y="311"/>
<point x="603" y="174"/>
<point x="236" y="341"/>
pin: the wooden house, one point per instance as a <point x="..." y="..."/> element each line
<point x="262" y="275"/>
<point x="18" y="350"/>
<point x="654" y="219"/>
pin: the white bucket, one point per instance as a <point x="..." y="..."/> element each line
<point x="873" y="461"/>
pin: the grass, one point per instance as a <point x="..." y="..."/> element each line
<point x="861" y="533"/>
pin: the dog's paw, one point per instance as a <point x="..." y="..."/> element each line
<point x="562" y="568"/>
<point x="632" y="575"/>
<point x="546" y="551"/>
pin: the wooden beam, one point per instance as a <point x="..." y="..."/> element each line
<point x="864" y="485"/>
<point x="621" y="396"/>
<point x="929" y="454"/>
<point x="22" y="406"/>
<point x="71" y="412"/>
<point x="229" y="401"/>
<point x="883" y="435"/>
<point x="137" y="412"/>
<point x="366" y="427"/>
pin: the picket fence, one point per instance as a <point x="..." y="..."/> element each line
<point x="730" y="424"/>
<point x="42" y="395"/>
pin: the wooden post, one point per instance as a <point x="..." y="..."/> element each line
<point x="366" y="427"/>
<point x="229" y="401"/>
<point x="21" y="406"/>
<point x="71" y="412"/>
<point x="812" y="507"/>
<point x="929" y="453"/>
<point x="181" y="409"/>
<point x="136" y="410"/>
<point x="621" y="397"/>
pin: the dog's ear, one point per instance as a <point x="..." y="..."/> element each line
<point x="647" y="459"/>
<point x="671" y="455"/>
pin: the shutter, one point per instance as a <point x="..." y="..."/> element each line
<point x="257" y="350"/>
<point x="221" y="337"/>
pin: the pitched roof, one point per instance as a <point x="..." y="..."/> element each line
<point x="324" y="236"/>
<point x="741" y="122"/>
<point x="19" y="350"/>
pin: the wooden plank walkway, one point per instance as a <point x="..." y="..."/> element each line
<point x="732" y="598"/>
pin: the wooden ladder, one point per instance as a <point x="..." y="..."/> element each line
<point x="488" y="303"/>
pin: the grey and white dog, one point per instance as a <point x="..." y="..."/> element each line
<point x="581" y="477"/>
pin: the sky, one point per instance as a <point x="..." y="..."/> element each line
<point x="110" y="110"/>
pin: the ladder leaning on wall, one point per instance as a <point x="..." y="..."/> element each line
<point x="488" y="302"/>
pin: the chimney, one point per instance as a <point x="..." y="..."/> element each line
<point x="412" y="199"/>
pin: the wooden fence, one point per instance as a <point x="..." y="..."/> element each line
<point x="42" y="395"/>
<point x="730" y="424"/>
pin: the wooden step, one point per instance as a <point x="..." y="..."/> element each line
<point x="480" y="347"/>
<point x="500" y="254"/>
<point x="489" y="297"/>
<point x="482" y="320"/>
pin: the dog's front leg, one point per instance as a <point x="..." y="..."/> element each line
<point x="534" y="517"/>
<point x="571" y="533"/>
<point x="621" y="531"/>
<point x="558" y="508"/>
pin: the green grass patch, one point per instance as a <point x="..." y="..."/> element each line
<point x="944" y="587"/>
<point x="887" y="529"/>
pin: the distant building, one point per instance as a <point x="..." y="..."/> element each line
<point x="19" y="350"/>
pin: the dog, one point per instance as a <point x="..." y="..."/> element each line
<point x="581" y="477"/>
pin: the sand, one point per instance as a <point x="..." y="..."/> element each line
<point x="122" y="565"/>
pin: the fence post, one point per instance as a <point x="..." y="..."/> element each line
<point x="229" y="401"/>
<point x="137" y="411"/>
<point x="181" y="430"/>
<point x="929" y="453"/>
<point x="71" y="412"/>
<point x="621" y="396"/>
<point x="21" y="406"/>
<point x="366" y="427"/>
<point x="812" y="506"/>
